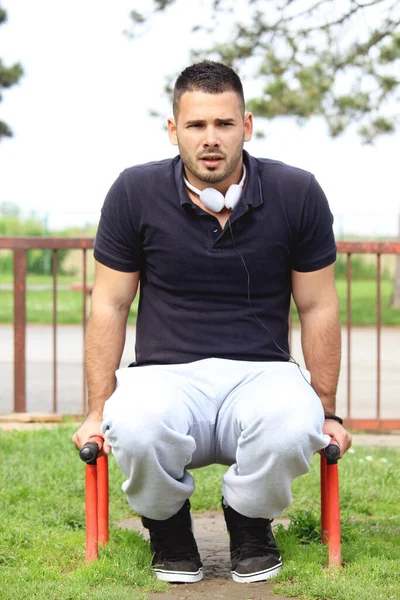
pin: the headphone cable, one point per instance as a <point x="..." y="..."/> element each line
<point x="291" y="359"/>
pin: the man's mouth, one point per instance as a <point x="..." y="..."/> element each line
<point x="211" y="161"/>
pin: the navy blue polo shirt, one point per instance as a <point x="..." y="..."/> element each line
<point x="193" y="286"/>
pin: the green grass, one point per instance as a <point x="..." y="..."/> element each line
<point x="39" y="307"/>
<point x="42" y="528"/>
<point x="363" y="303"/>
<point x="32" y="278"/>
<point x="370" y="511"/>
<point x="69" y="304"/>
<point x="42" y="534"/>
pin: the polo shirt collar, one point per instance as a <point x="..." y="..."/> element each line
<point x="252" y="193"/>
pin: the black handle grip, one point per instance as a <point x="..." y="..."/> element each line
<point x="89" y="453"/>
<point x="332" y="452"/>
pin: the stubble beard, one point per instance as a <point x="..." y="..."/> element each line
<point x="209" y="175"/>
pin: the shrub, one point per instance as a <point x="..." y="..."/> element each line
<point x="38" y="261"/>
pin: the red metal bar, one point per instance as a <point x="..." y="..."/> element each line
<point x="333" y="516"/>
<point x="92" y="548"/>
<point x="330" y="511"/>
<point x="54" y="269"/>
<point x="20" y="330"/>
<point x="96" y="503"/>
<point x="26" y="243"/>
<point x="368" y="247"/>
<point x="378" y="336"/>
<point x="323" y="476"/>
<point x="84" y="318"/>
<point x="348" y="335"/>
<point x="102" y="498"/>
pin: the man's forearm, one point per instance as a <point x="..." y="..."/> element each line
<point x="105" y="339"/>
<point x="320" y="338"/>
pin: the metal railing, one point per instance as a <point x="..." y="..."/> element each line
<point x="378" y="249"/>
<point x="20" y="247"/>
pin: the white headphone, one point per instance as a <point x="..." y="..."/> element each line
<point x="214" y="200"/>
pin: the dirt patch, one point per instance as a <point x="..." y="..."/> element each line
<point x="219" y="589"/>
<point x="15" y="426"/>
<point x="212" y="540"/>
<point x="28" y="421"/>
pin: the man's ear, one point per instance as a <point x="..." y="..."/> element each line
<point x="172" y="132"/>
<point x="248" y="126"/>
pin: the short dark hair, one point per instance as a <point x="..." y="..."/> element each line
<point x="209" y="77"/>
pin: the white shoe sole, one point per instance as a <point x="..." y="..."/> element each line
<point x="259" y="576"/>
<point x="179" y="576"/>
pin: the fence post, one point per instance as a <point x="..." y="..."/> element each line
<point x="19" y="330"/>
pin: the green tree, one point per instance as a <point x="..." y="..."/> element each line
<point x="338" y="60"/>
<point x="9" y="76"/>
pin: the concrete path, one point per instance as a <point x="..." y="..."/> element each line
<point x="70" y="376"/>
<point x="213" y="543"/>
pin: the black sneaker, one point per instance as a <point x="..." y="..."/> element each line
<point x="175" y="555"/>
<point x="254" y="553"/>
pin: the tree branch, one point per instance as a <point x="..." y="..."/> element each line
<point x="345" y="17"/>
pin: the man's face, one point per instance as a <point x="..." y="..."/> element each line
<point x="210" y="131"/>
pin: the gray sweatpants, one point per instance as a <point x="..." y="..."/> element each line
<point x="262" y="419"/>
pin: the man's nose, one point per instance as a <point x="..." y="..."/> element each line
<point x="211" y="138"/>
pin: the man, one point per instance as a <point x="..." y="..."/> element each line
<point x="219" y="241"/>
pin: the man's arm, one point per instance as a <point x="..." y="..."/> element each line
<point x="318" y="306"/>
<point x="113" y="294"/>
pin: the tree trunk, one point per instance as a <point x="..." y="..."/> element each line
<point x="395" y="302"/>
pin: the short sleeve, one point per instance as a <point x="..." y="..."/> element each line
<point x="314" y="246"/>
<point x="117" y="244"/>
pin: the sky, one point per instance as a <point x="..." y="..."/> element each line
<point x="80" y="116"/>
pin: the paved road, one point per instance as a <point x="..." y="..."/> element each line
<point x="69" y="370"/>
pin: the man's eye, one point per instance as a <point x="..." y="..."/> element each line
<point x="226" y="124"/>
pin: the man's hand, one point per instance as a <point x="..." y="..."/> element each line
<point x="338" y="433"/>
<point x="90" y="427"/>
